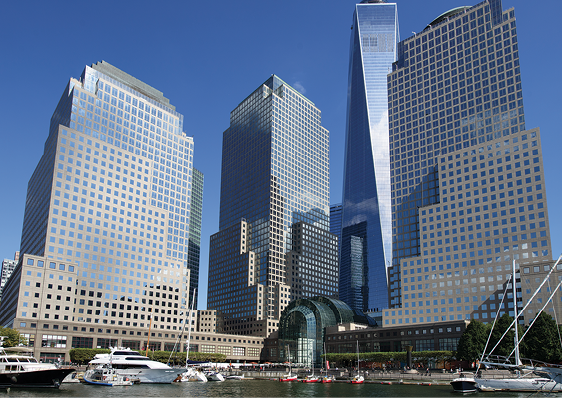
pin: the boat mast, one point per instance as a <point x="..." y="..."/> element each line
<point x="516" y="338"/>
<point x="148" y="339"/>
<point x="189" y="332"/>
<point x="357" y="357"/>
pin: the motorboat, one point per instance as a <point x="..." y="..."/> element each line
<point x="213" y="375"/>
<point x="235" y="377"/>
<point x="18" y="368"/>
<point x="327" y="379"/>
<point x="464" y="383"/>
<point x="133" y="365"/>
<point x="106" y="375"/>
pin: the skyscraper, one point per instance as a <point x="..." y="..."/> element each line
<point x="107" y="225"/>
<point x="194" y="248"/>
<point x="366" y="238"/>
<point x="468" y="193"/>
<point x="8" y="267"/>
<point x="273" y="243"/>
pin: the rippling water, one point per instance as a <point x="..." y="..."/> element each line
<point x="250" y="388"/>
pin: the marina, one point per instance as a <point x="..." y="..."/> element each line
<point x="255" y="388"/>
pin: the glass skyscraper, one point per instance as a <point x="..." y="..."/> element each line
<point x="468" y="191"/>
<point x="107" y="233"/>
<point x="366" y="237"/>
<point x="273" y="243"/>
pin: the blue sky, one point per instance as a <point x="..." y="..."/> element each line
<point x="206" y="57"/>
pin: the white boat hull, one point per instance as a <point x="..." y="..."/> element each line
<point x="523" y="384"/>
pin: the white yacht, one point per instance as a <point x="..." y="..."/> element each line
<point x="136" y="366"/>
<point x="18" y="368"/>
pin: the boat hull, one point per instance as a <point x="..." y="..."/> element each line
<point x="523" y="385"/>
<point x="150" y="376"/>
<point x="464" y="385"/>
<point x="45" y="378"/>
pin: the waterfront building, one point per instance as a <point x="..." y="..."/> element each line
<point x="366" y="237"/>
<point x="273" y="242"/>
<point x="8" y="267"/>
<point x="310" y="326"/>
<point x="468" y="189"/>
<point x="303" y="328"/>
<point x="107" y="228"/>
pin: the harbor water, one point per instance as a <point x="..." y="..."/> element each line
<point x="251" y="388"/>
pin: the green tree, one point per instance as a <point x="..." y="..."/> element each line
<point x="506" y="345"/>
<point x="542" y="342"/>
<point x="472" y="342"/>
<point x="13" y="338"/>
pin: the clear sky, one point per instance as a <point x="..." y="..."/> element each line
<point x="206" y="57"/>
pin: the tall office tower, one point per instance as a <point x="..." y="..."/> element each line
<point x="8" y="267"/>
<point x="468" y="190"/>
<point x="274" y="202"/>
<point x="194" y="248"/>
<point x="366" y="238"/>
<point x="335" y="219"/>
<point x="107" y="222"/>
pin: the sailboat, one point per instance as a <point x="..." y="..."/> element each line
<point x="311" y="378"/>
<point x="357" y="379"/>
<point x="191" y="374"/>
<point x="290" y="376"/>
<point x="326" y="378"/>
<point x="550" y="376"/>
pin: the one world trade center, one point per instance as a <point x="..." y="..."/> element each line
<point x="366" y="236"/>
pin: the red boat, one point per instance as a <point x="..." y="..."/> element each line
<point x="327" y="379"/>
<point x="289" y="377"/>
<point x="311" y="379"/>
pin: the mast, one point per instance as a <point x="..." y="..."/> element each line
<point x="189" y="332"/>
<point x="516" y="338"/>
<point x="357" y="357"/>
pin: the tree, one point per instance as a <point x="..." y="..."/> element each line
<point x="507" y="344"/>
<point x="542" y="342"/>
<point x="13" y="338"/>
<point x="472" y="342"/>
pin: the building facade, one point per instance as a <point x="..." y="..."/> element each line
<point x="366" y="237"/>
<point x="468" y="190"/>
<point x="107" y="225"/>
<point x="8" y="267"/>
<point x="274" y="199"/>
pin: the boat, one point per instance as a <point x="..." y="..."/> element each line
<point x="190" y="373"/>
<point x="464" y="383"/>
<point x="106" y="375"/>
<point x="289" y="376"/>
<point x="235" y="377"/>
<point x="18" y="368"/>
<point x="534" y="377"/>
<point x="213" y="375"/>
<point x="326" y="378"/>
<point x="311" y="378"/>
<point x="133" y="365"/>
<point x="357" y="379"/>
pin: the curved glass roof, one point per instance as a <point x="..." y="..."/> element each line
<point x="448" y="14"/>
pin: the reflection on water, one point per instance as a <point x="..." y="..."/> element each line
<point x="250" y="388"/>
